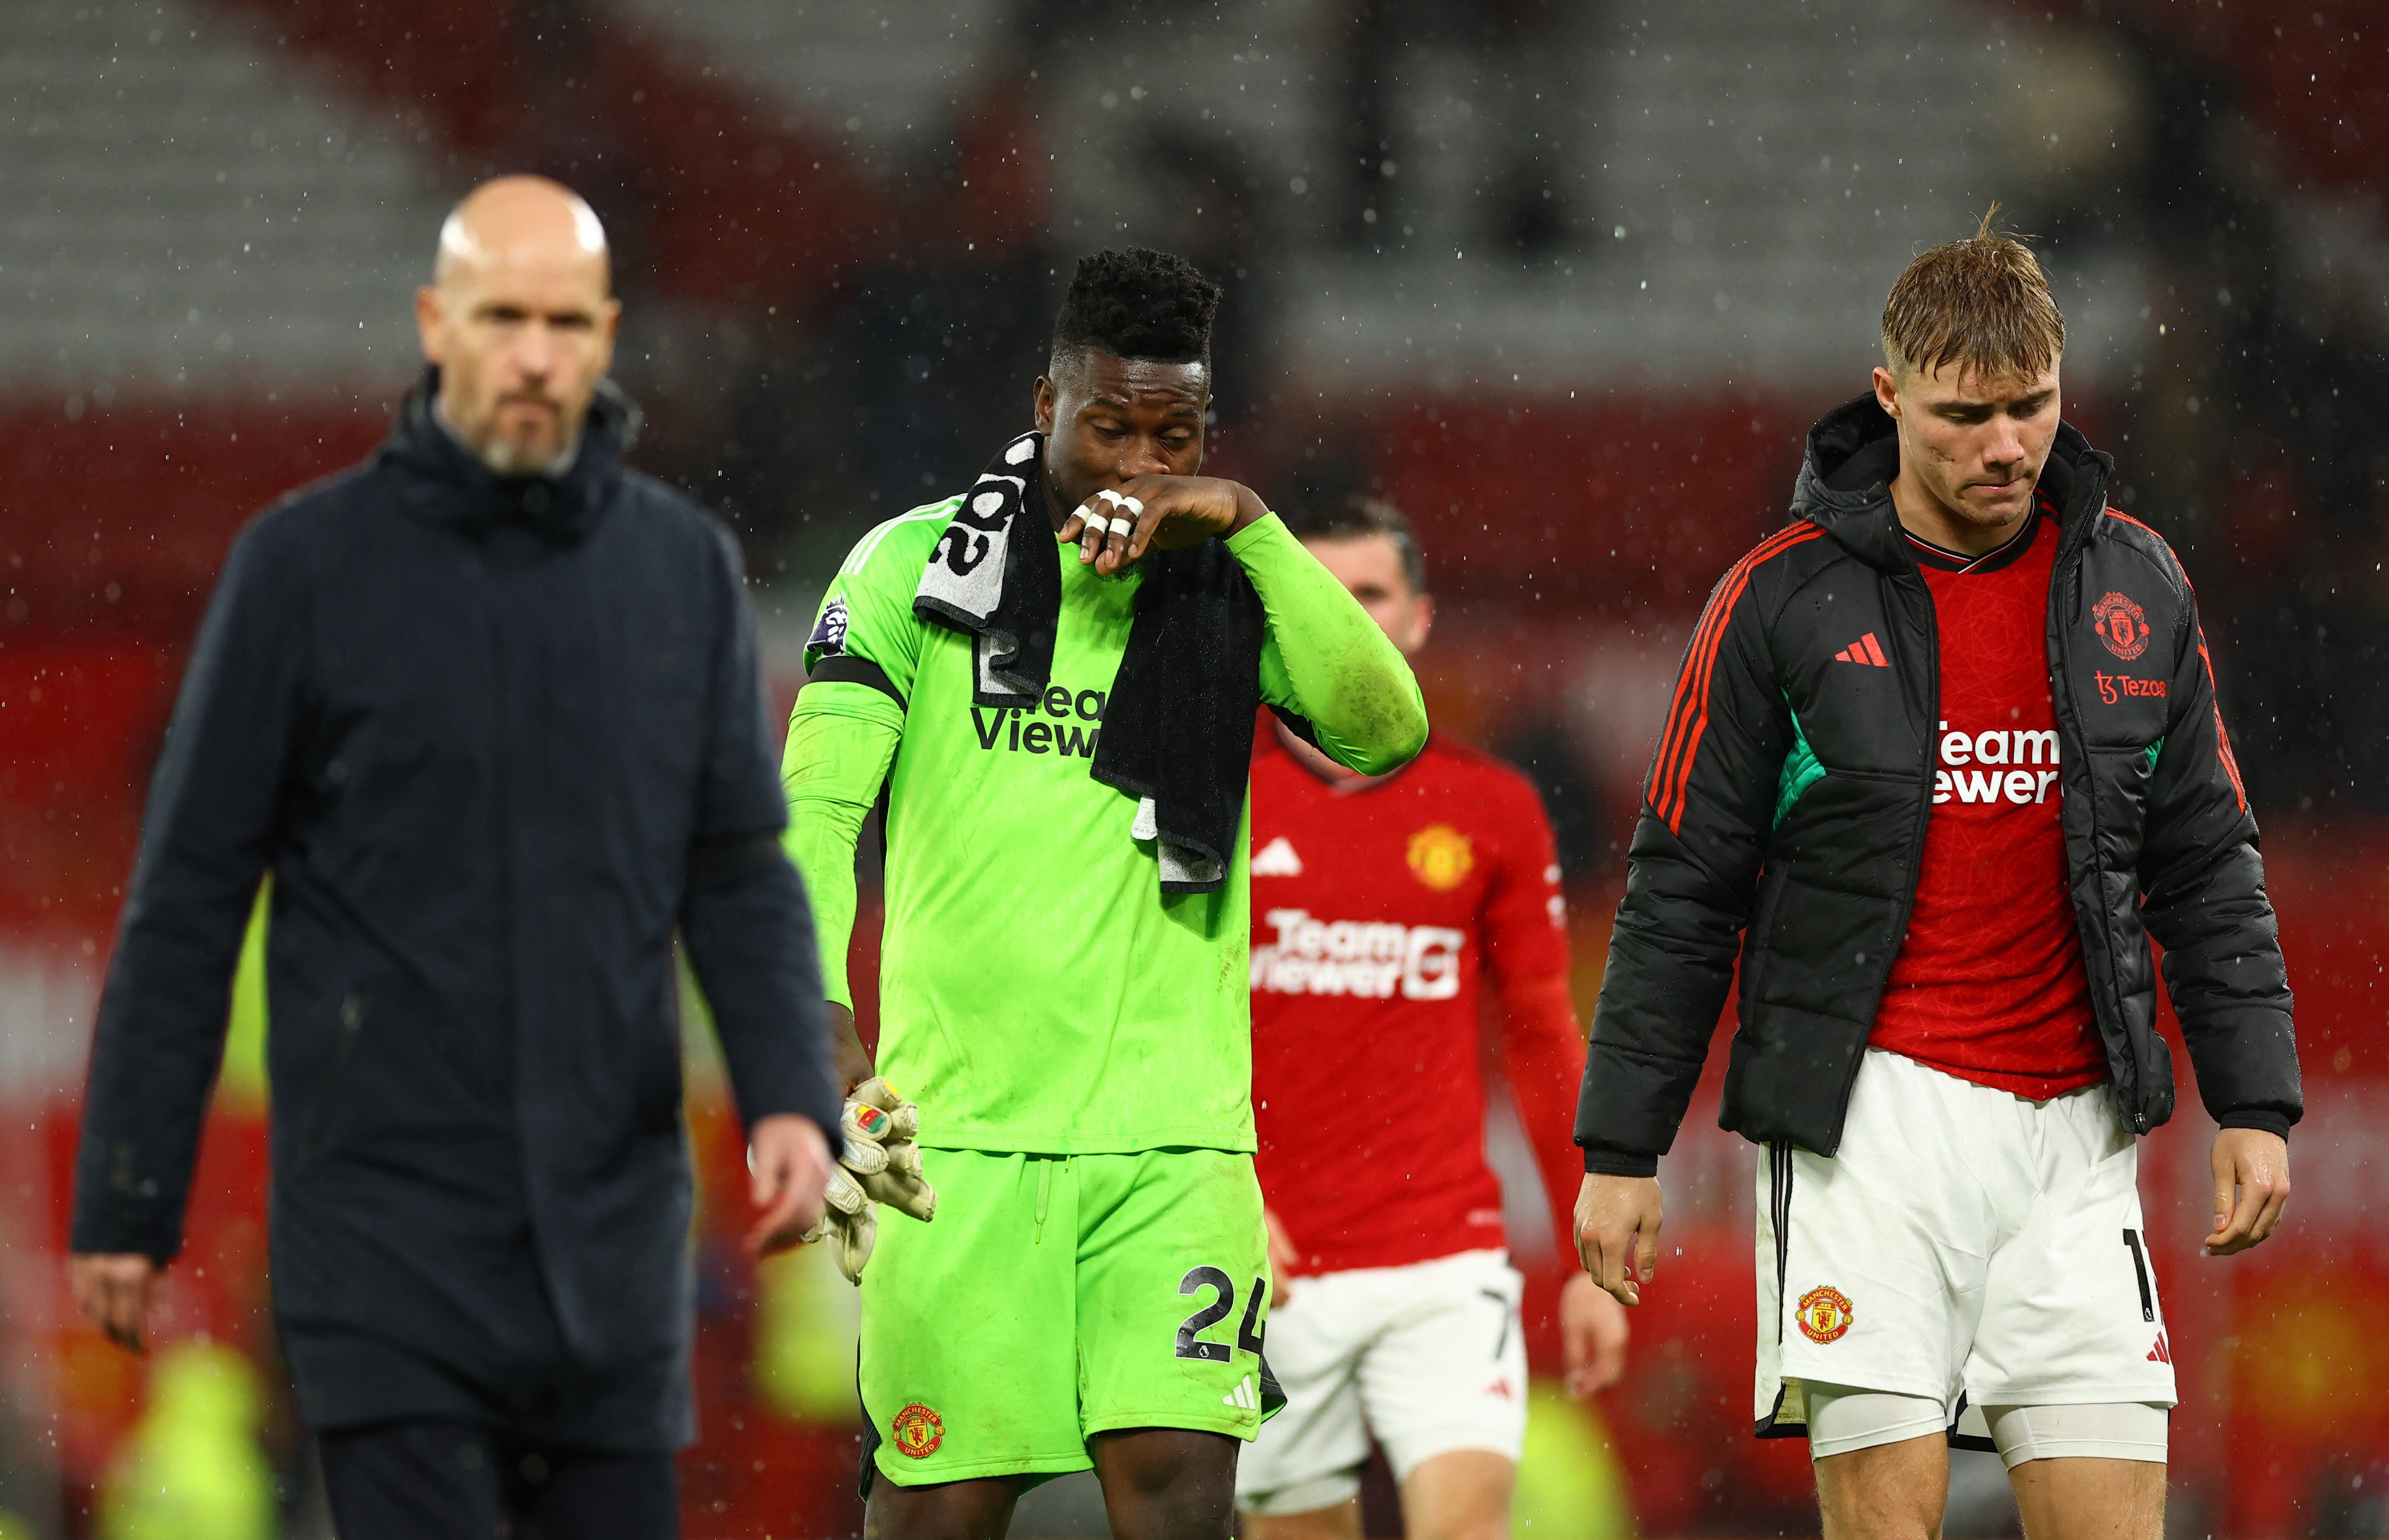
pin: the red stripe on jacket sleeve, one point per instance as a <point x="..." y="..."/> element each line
<point x="1680" y="713"/>
<point x="2222" y="739"/>
<point x="1701" y="670"/>
<point x="1697" y="661"/>
<point x="2118" y="513"/>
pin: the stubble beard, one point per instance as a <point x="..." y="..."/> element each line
<point x="506" y="457"/>
<point x="503" y="457"/>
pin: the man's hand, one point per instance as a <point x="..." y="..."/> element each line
<point x="1282" y="1260"/>
<point x="1117" y="525"/>
<point x="2253" y="1167"/>
<point x="118" y="1290"/>
<point x="1593" y="1336"/>
<point x="1617" y="1232"/>
<point x="787" y="1158"/>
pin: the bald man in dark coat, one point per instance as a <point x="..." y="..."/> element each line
<point x="486" y="709"/>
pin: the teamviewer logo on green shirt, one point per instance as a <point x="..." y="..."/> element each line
<point x="1065" y="722"/>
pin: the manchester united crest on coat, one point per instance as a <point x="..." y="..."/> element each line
<point x="1824" y="1315"/>
<point x="2121" y="624"/>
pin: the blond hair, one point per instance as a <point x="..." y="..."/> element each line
<point x="1982" y="303"/>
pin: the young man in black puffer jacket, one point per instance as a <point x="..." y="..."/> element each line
<point x="1943" y="757"/>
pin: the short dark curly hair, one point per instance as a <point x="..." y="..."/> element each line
<point x="1356" y="515"/>
<point x="1137" y="303"/>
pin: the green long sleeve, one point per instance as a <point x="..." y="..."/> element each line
<point x="1326" y="660"/>
<point x="841" y="738"/>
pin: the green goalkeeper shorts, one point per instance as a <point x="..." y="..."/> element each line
<point x="1056" y="1297"/>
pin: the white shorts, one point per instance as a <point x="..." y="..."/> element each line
<point x="1429" y="1357"/>
<point x="1967" y="1246"/>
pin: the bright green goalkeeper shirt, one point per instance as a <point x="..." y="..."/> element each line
<point x="1037" y="990"/>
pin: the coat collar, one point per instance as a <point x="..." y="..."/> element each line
<point x="447" y="485"/>
<point x="1853" y="454"/>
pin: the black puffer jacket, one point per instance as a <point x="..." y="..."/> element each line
<point x="1784" y="823"/>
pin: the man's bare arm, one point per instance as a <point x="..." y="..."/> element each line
<point x="846" y="1052"/>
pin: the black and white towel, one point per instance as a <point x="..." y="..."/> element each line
<point x="1177" y="730"/>
<point x="981" y="577"/>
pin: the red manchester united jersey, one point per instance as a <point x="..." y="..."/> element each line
<point x="1989" y="984"/>
<point x="1379" y="911"/>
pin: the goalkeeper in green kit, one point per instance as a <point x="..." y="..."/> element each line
<point x="1054" y="677"/>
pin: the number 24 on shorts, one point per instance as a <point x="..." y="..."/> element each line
<point x="1191" y="1343"/>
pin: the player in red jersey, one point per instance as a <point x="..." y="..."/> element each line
<point x="1943" y="759"/>
<point x="1380" y="906"/>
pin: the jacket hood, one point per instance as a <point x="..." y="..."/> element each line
<point x="447" y="485"/>
<point x="1852" y="456"/>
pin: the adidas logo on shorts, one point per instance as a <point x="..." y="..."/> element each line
<point x="1242" y="1398"/>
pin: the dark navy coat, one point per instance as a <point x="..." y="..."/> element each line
<point x="495" y="740"/>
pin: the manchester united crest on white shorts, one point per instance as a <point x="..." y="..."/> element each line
<point x="1964" y="1244"/>
<point x="1823" y="1315"/>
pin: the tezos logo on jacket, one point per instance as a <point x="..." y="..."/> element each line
<point x="2121" y="624"/>
<point x="2115" y="687"/>
<point x="1367" y="958"/>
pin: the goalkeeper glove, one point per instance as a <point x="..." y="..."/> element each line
<point x="882" y="1164"/>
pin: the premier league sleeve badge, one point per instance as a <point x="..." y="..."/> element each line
<point x="828" y="639"/>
